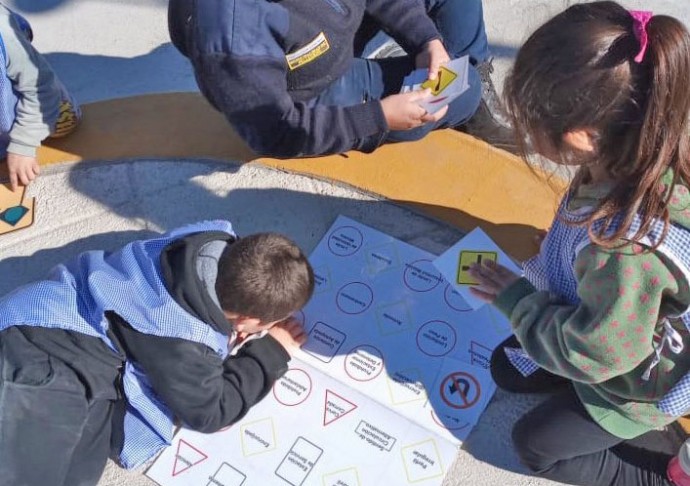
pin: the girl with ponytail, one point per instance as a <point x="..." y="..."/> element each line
<point x="601" y="316"/>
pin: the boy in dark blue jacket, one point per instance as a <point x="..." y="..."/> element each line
<point x="287" y="77"/>
<point x="104" y="354"/>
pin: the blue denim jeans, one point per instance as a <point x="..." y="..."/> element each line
<point x="461" y="25"/>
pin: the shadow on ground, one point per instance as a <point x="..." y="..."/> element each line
<point x="37" y="6"/>
<point x="97" y="77"/>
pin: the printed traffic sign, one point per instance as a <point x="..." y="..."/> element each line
<point x="16" y="210"/>
<point x="460" y="390"/>
<point x="443" y="79"/>
<point x="187" y="457"/>
<point x="467" y="258"/>
<point x="336" y="407"/>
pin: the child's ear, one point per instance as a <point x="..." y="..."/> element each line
<point x="242" y="322"/>
<point x="581" y="139"/>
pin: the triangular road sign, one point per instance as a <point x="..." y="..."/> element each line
<point x="187" y="457"/>
<point x="335" y="407"/>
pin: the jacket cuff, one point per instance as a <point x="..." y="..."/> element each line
<point x="511" y="295"/>
<point x="21" y="149"/>
<point x="368" y="119"/>
<point x="270" y="353"/>
<point x="420" y="36"/>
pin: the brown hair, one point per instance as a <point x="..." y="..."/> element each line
<point x="577" y="71"/>
<point x="264" y="276"/>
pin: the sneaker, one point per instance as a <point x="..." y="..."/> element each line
<point x="389" y="49"/>
<point x="676" y="474"/>
<point x="490" y="122"/>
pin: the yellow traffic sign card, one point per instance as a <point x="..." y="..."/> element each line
<point x="443" y="79"/>
<point x="466" y="259"/>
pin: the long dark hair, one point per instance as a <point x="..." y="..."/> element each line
<point x="578" y="71"/>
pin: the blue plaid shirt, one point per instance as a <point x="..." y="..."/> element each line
<point x="76" y="296"/>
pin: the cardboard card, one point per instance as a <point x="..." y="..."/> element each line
<point x="475" y="247"/>
<point x="451" y="81"/>
<point x="16" y="210"/>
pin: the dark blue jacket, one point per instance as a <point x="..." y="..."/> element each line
<point x="246" y="56"/>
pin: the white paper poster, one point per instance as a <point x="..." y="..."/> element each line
<point x="392" y="379"/>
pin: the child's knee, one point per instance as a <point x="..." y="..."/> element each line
<point x="502" y="371"/>
<point x="529" y="447"/>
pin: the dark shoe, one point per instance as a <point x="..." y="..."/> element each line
<point x="490" y="122"/>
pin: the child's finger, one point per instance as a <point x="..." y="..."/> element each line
<point x="301" y="338"/>
<point x="484" y="273"/>
<point x="502" y="271"/>
<point x="434" y="117"/>
<point x="14" y="182"/>
<point x="483" y="295"/>
<point x="21" y="177"/>
<point x="294" y="327"/>
<point x="420" y="94"/>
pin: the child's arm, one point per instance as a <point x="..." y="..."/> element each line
<point x="39" y="100"/>
<point x="204" y="391"/>
<point x="611" y="330"/>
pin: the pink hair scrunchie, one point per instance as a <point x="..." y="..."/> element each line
<point x="640" y="20"/>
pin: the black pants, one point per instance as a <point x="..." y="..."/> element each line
<point x="558" y="439"/>
<point x="53" y="429"/>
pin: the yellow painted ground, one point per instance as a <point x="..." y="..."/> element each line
<point x="448" y="175"/>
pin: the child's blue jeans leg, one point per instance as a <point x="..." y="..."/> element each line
<point x="461" y="25"/>
<point x="50" y="433"/>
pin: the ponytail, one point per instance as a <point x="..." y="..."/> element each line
<point x="661" y="82"/>
<point x="588" y="67"/>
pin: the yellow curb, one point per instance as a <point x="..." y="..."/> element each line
<point x="448" y="175"/>
<point x="453" y="177"/>
<point x="170" y="125"/>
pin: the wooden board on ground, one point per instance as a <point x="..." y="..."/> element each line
<point x="16" y="210"/>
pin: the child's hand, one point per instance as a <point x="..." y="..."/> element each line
<point x="404" y="112"/>
<point x="493" y="279"/>
<point x="432" y="56"/>
<point x="289" y="333"/>
<point x="22" y="169"/>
